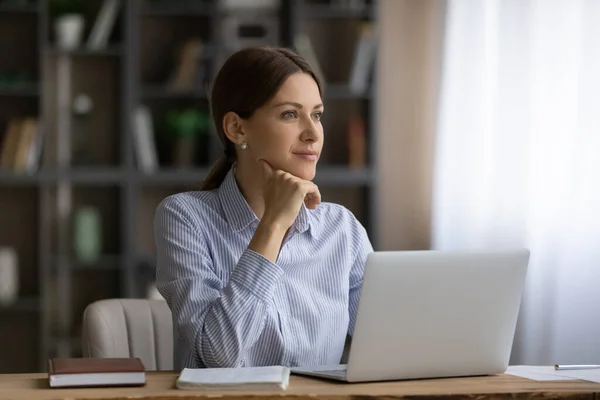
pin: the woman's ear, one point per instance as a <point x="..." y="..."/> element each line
<point x="232" y="127"/>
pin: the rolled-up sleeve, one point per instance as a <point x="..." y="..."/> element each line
<point x="219" y="322"/>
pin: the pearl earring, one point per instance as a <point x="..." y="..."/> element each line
<point x="244" y="146"/>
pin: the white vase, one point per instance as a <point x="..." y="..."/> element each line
<point x="69" y="31"/>
<point x="9" y="275"/>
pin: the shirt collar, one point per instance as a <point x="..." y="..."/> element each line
<point x="302" y="223"/>
<point x="240" y="215"/>
<point x="238" y="212"/>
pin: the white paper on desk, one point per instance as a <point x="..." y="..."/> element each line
<point x="591" y="375"/>
<point x="267" y="378"/>
<point x="538" y="373"/>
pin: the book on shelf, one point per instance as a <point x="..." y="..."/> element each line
<point x="356" y="143"/>
<point x="21" y="145"/>
<point x="304" y="47"/>
<point x="103" y="25"/>
<point x="364" y="58"/>
<point x="144" y="144"/>
<point x="189" y="70"/>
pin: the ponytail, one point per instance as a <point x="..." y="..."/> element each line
<point x="217" y="173"/>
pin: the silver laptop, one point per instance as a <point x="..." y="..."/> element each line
<point x="433" y="314"/>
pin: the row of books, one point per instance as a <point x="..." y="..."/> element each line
<point x="364" y="57"/>
<point x="21" y="145"/>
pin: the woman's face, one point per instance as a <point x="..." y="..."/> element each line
<point x="287" y="131"/>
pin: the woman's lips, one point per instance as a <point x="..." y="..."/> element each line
<point x="307" y="156"/>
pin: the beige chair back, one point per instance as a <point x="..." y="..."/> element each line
<point x="130" y="328"/>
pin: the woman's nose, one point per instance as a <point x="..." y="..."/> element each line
<point x="310" y="131"/>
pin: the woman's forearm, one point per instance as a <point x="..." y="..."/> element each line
<point x="267" y="239"/>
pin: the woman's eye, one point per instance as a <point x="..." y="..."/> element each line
<point x="318" y="115"/>
<point x="289" y="115"/>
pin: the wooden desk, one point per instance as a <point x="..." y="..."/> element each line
<point x="160" y="386"/>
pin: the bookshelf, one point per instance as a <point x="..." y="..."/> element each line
<point x="89" y="171"/>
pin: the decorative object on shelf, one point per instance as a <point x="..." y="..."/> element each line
<point x="81" y="108"/>
<point x="105" y="21"/>
<point x="190" y="71"/>
<point x="144" y="140"/>
<point x="364" y="58"/>
<point x="185" y="127"/>
<point x="305" y="48"/>
<point x="356" y="142"/>
<point x="245" y="29"/>
<point x="9" y="276"/>
<point x="87" y="234"/>
<point x="68" y="22"/>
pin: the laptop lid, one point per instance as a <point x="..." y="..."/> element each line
<point x="429" y="314"/>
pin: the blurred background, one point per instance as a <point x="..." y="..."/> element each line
<point x="450" y="124"/>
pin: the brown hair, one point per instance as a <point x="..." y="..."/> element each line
<point x="246" y="81"/>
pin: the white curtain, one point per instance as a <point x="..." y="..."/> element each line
<point x="518" y="159"/>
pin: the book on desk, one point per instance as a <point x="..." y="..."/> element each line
<point x="270" y="378"/>
<point x="91" y="372"/>
<point x="105" y="372"/>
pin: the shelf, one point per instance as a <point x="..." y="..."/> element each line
<point x="326" y="175"/>
<point x="325" y="11"/>
<point x="96" y="175"/>
<point x="174" y="176"/>
<point x="343" y="176"/>
<point x="87" y="175"/>
<point x="18" y="178"/>
<point x="77" y="175"/>
<point x="165" y="9"/>
<point x="25" y="304"/>
<point x="343" y="91"/>
<point x="26" y="90"/>
<point x="164" y="92"/>
<point x="104" y="263"/>
<point x="18" y="9"/>
<point x="110" y="51"/>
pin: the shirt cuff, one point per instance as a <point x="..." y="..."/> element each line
<point x="257" y="274"/>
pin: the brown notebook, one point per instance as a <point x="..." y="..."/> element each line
<point x="80" y="372"/>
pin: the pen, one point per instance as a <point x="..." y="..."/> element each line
<point x="575" y="367"/>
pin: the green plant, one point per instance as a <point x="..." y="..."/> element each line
<point x="187" y="124"/>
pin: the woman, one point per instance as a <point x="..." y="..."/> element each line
<point x="256" y="270"/>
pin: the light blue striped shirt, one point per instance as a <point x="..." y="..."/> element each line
<point x="232" y="306"/>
